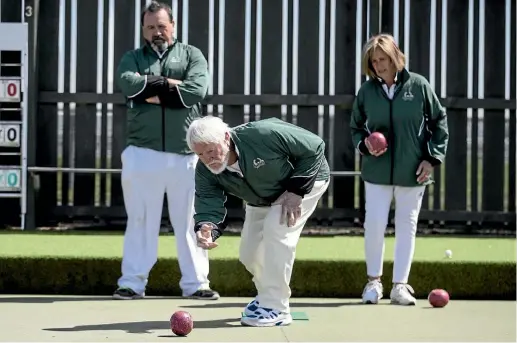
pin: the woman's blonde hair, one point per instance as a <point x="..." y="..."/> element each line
<point x="386" y="43"/>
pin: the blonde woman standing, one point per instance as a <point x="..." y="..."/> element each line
<point x="402" y="106"/>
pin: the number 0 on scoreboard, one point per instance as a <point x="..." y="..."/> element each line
<point x="9" y="135"/>
<point x="9" y="90"/>
<point x="10" y="180"/>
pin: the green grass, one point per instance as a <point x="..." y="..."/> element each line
<point x="309" y="248"/>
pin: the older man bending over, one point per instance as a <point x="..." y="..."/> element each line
<point x="281" y="172"/>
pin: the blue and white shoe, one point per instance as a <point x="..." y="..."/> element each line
<point x="250" y="309"/>
<point x="263" y="317"/>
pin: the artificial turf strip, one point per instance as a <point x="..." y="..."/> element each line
<point x="309" y="248"/>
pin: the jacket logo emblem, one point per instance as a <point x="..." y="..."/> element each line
<point x="408" y="96"/>
<point x="258" y="162"/>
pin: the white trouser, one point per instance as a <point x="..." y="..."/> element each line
<point x="408" y="201"/>
<point x="268" y="248"/>
<point x="146" y="176"/>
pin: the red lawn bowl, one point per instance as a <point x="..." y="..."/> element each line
<point x="438" y="298"/>
<point x="181" y="323"/>
<point x="377" y="141"/>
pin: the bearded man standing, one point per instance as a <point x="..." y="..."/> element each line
<point x="281" y="172"/>
<point x="163" y="82"/>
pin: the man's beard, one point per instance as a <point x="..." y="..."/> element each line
<point x="159" y="45"/>
<point x="224" y="163"/>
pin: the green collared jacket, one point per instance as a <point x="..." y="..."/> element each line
<point x="142" y="74"/>
<point x="274" y="157"/>
<point x="413" y="121"/>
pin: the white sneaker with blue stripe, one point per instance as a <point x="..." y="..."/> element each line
<point x="250" y="309"/>
<point x="263" y="317"/>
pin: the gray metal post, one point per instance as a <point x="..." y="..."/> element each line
<point x="31" y="17"/>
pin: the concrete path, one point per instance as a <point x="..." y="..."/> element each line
<point x="76" y="319"/>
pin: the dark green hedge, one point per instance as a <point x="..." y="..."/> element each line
<point x="91" y="276"/>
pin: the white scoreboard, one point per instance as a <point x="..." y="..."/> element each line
<point x="13" y="128"/>
<point x="9" y="90"/>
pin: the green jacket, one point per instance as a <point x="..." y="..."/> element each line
<point x="414" y="123"/>
<point x="162" y="127"/>
<point x="274" y="156"/>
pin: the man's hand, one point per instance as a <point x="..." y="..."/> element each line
<point x="373" y="152"/>
<point x="424" y="171"/>
<point x="204" y="237"/>
<point x="174" y="82"/>
<point x="291" y="208"/>
<point x="153" y="100"/>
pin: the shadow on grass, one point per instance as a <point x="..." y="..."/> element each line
<point x="149" y="326"/>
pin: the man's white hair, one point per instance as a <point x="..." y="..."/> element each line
<point x="206" y="130"/>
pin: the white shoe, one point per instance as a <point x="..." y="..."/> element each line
<point x="250" y="309"/>
<point x="372" y="292"/>
<point x="263" y="317"/>
<point x="401" y="295"/>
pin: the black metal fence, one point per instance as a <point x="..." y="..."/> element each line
<point x="293" y="59"/>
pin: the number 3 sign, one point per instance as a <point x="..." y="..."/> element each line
<point x="9" y="90"/>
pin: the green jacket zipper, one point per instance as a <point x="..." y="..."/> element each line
<point x="398" y="86"/>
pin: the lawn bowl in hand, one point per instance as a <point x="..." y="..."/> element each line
<point x="377" y="141"/>
<point x="438" y="298"/>
<point x="181" y="323"/>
